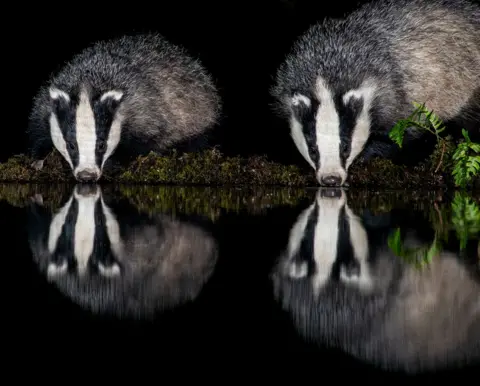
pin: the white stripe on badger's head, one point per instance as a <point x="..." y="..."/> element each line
<point x="327" y="234"/>
<point x="331" y="130"/>
<point x="84" y="229"/>
<point x="86" y="135"/>
<point x="86" y="132"/>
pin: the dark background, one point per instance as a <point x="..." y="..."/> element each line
<point x="241" y="44"/>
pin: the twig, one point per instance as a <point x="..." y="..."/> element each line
<point x="439" y="214"/>
<point x="441" y="157"/>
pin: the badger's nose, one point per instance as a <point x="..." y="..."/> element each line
<point x="331" y="180"/>
<point x="87" y="175"/>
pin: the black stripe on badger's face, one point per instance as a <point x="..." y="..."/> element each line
<point x="304" y="109"/>
<point x="85" y="129"/>
<point x="348" y="109"/>
<point x="63" y="125"/>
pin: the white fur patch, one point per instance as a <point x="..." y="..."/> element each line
<point x="115" y="94"/>
<point x="328" y="134"/>
<point x="55" y="93"/>
<point x="84" y="230"/>
<point x="86" y="136"/>
<point x="298" y="99"/>
<point x="326" y="238"/>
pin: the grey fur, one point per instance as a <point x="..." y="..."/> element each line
<point x="415" y="50"/>
<point x="413" y="320"/>
<point x="169" y="97"/>
<point x="165" y="263"/>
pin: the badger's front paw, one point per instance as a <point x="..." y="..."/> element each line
<point x="37" y="165"/>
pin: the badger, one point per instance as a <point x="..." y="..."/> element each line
<point x="346" y="82"/>
<point x="344" y="288"/>
<point x="129" y="264"/>
<point x="127" y="96"/>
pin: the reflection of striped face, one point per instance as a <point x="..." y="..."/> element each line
<point x="330" y="130"/>
<point x="85" y="129"/>
<point x="329" y="242"/>
<point x="84" y="236"/>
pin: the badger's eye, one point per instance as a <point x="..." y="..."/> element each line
<point x="101" y="145"/>
<point x="71" y="145"/>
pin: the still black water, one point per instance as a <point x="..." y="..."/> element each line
<point x="384" y="284"/>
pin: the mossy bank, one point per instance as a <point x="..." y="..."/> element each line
<point x="212" y="168"/>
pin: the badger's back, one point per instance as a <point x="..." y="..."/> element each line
<point x="436" y="46"/>
<point x="414" y="50"/>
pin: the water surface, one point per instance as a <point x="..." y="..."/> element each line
<point x="382" y="283"/>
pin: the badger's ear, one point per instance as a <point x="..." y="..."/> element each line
<point x="58" y="98"/>
<point x="56" y="94"/>
<point x="111" y="99"/>
<point x="301" y="105"/>
<point x="298" y="99"/>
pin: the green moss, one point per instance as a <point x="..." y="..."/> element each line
<point x="18" y="169"/>
<point x="20" y="195"/>
<point x="209" y="201"/>
<point x="188" y="200"/>
<point x="212" y="201"/>
<point x="212" y="168"/>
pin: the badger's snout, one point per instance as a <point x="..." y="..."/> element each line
<point x="331" y="179"/>
<point x="87" y="175"/>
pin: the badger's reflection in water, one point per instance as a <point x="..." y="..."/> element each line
<point x="133" y="265"/>
<point x="344" y="287"/>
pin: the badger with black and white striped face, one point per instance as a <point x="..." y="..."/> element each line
<point x="136" y="94"/>
<point x="124" y="263"/>
<point x="348" y="81"/>
<point x="344" y="288"/>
